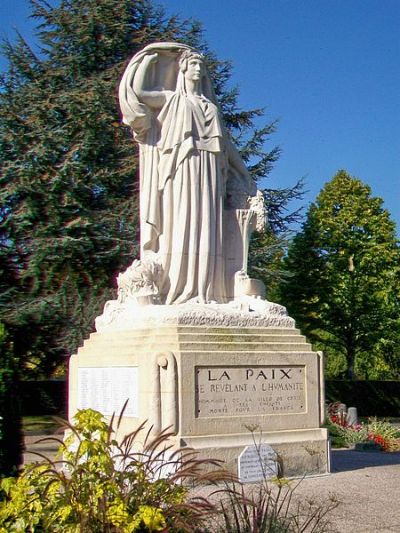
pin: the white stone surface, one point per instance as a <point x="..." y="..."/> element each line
<point x="188" y="302"/>
<point x="243" y="312"/>
<point x="198" y="202"/>
<point x="257" y="462"/>
<point x="198" y="205"/>
<point x="168" y="358"/>
<point x="107" y="389"/>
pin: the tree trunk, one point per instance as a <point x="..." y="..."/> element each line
<point x="351" y="358"/>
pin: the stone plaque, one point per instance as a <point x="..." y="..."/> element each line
<point x="256" y="463"/>
<point x="107" y="389"/>
<point x="249" y="390"/>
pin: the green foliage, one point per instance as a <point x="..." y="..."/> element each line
<point x="380" y="433"/>
<point x="335" y="434"/>
<point x="344" y="280"/>
<point x="68" y="196"/>
<point x="102" y="486"/>
<point x="69" y="215"/>
<point x="383" y="428"/>
<point x="10" y="416"/>
<point x="369" y="446"/>
<point x="350" y="435"/>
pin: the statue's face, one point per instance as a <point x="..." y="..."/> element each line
<point x="194" y="69"/>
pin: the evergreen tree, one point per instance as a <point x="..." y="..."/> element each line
<point x="344" y="282"/>
<point x="68" y="221"/>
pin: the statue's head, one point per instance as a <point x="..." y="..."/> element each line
<point x="192" y="69"/>
<point x="191" y="64"/>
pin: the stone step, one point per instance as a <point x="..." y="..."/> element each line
<point x="192" y="337"/>
<point x="209" y="346"/>
<point x="214" y="342"/>
<point x="129" y="349"/>
<point x="162" y="336"/>
<point x="204" y="345"/>
<point x="37" y="446"/>
<point x="201" y="330"/>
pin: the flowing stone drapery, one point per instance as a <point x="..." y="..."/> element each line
<point x="198" y="204"/>
<point x="190" y="174"/>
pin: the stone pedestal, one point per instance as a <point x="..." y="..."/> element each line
<point x="219" y="389"/>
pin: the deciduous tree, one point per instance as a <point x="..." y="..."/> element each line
<point x="344" y="268"/>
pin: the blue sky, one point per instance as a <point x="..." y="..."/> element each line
<point x="327" y="69"/>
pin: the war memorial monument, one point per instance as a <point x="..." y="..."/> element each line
<point x="191" y="342"/>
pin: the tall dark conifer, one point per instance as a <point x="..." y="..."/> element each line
<point x="68" y="219"/>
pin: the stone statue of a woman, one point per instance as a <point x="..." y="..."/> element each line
<point x="192" y="179"/>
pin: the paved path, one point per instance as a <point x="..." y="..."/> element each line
<point x="367" y="484"/>
<point x="40" y="444"/>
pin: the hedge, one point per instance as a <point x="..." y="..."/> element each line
<point x="372" y="398"/>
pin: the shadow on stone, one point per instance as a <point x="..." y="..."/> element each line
<point x="347" y="460"/>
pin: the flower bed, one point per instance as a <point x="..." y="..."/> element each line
<point x="384" y="435"/>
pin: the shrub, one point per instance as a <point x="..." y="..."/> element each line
<point x="353" y="434"/>
<point x="102" y="486"/>
<point x="383" y="428"/>
<point x="335" y="435"/>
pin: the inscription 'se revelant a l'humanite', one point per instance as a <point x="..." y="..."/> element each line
<point x="249" y="390"/>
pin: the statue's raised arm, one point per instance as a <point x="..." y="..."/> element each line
<point x="195" y="191"/>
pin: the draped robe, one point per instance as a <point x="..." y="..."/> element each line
<point x="184" y="171"/>
<point x="191" y="183"/>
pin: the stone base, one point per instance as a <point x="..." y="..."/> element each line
<point x="300" y="452"/>
<point x="219" y="389"/>
<point x="244" y="311"/>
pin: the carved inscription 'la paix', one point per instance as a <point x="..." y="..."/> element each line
<point x="229" y="391"/>
<point x="250" y="373"/>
